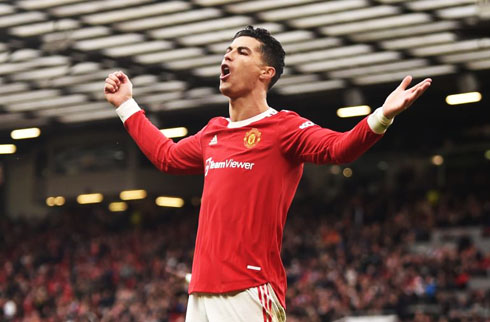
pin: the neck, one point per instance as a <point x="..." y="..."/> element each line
<point x="244" y="107"/>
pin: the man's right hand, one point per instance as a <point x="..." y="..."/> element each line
<point x="118" y="89"/>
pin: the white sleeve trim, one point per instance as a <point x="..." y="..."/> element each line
<point x="378" y="122"/>
<point x="126" y="109"/>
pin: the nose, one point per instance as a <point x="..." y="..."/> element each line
<point x="228" y="55"/>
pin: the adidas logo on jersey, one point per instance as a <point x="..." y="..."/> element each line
<point x="214" y="140"/>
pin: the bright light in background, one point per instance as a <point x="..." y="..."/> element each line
<point x="55" y="201"/>
<point x="487" y="154"/>
<point x="335" y="169"/>
<point x="169" y="202"/>
<point x="7" y="148"/>
<point x="352" y="111"/>
<point x="188" y="277"/>
<point x="90" y="198"/>
<point x="464" y="98"/>
<point x="437" y="160"/>
<point x="29" y="133"/>
<point x="118" y="206"/>
<point x="347" y="172"/>
<point x="132" y="194"/>
<point x="175" y="132"/>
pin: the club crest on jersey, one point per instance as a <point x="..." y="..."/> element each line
<point x="252" y="138"/>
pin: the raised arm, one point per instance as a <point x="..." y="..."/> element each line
<point x="184" y="157"/>
<point x="304" y="141"/>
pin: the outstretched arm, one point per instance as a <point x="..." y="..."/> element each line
<point x="401" y="98"/>
<point x="182" y="157"/>
<point x="307" y="142"/>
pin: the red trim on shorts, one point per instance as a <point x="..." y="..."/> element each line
<point x="262" y="299"/>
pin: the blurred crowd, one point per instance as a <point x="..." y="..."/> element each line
<point x="350" y="255"/>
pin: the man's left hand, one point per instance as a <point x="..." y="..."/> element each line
<point x="401" y="98"/>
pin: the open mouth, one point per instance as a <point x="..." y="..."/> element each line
<point x="225" y="71"/>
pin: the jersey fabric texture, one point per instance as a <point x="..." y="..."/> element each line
<point x="251" y="171"/>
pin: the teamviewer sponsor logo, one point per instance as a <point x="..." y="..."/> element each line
<point x="230" y="163"/>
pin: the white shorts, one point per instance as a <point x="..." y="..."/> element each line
<point x="256" y="304"/>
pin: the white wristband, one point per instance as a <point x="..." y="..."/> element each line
<point x="126" y="109"/>
<point x="378" y="122"/>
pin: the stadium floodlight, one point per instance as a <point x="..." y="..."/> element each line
<point x="378" y="68"/>
<point x="312" y="9"/>
<point x="311" y="87"/>
<point x="260" y="5"/>
<point x="7" y="148"/>
<point x="55" y="201"/>
<point x="437" y="160"/>
<point x="463" y="98"/>
<point x="173" y="202"/>
<point x="118" y="206"/>
<point x="376" y="24"/>
<point x="175" y="132"/>
<point x="393" y="33"/>
<point x="459" y="12"/>
<point x="133" y="194"/>
<point x="424" y="5"/>
<point x="327" y="54"/>
<point x="353" y="111"/>
<point x="335" y="64"/>
<point x="28" y="133"/>
<point x="90" y="198"/>
<point x="21" y="19"/>
<point x="418" y="41"/>
<point x="346" y="16"/>
<point x="423" y="72"/>
<point x="125" y="14"/>
<point x="466" y="45"/>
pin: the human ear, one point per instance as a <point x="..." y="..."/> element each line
<point x="267" y="72"/>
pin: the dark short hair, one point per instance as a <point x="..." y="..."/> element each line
<point x="271" y="48"/>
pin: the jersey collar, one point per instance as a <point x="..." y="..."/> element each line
<point x="249" y="121"/>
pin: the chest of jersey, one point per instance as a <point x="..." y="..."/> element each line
<point x="238" y="151"/>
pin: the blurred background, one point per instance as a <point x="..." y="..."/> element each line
<point x="90" y="231"/>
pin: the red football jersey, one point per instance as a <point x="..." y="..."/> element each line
<point x="251" y="169"/>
